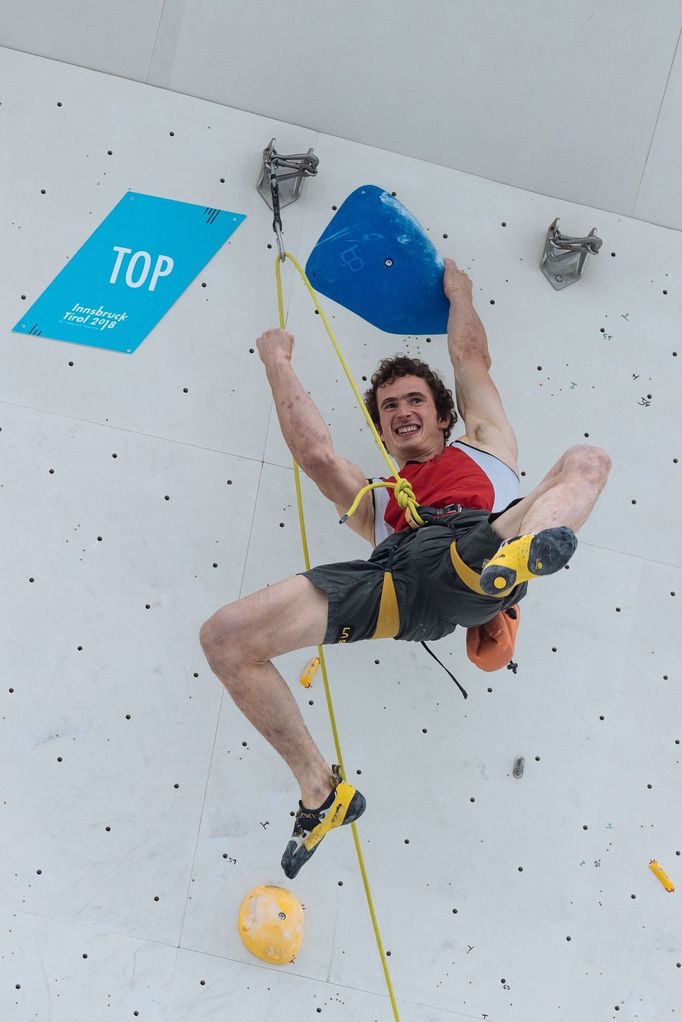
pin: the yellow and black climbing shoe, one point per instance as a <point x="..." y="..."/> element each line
<point x="344" y="805"/>
<point x="524" y="557"/>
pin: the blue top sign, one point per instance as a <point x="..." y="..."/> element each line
<point x="127" y="275"/>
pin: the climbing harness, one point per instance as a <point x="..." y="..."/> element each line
<point x="388" y="621"/>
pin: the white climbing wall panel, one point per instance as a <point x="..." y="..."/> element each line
<point x="140" y="493"/>
<point x="579" y="100"/>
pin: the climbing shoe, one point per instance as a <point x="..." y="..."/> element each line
<point x="523" y="557"/>
<point x="344" y="805"/>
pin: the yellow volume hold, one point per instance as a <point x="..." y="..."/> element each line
<point x="306" y="678"/>
<point x="661" y="874"/>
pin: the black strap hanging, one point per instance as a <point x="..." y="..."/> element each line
<point x="431" y="653"/>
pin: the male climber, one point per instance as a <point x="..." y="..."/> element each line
<point x="462" y="567"/>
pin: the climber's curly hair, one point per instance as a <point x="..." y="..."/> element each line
<point x="401" y="365"/>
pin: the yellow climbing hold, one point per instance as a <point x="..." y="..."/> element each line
<point x="306" y="678"/>
<point x="661" y="875"/>
<point x="271" y="924"/>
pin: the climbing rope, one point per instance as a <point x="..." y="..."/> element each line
<point x="407" y="501"/>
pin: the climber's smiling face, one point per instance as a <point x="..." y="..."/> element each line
<point x="410" y="426"/>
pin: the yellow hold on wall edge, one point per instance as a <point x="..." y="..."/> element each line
<point x="271" y="924"/>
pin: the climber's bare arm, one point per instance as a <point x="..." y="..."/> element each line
<point x="307" y="435"/>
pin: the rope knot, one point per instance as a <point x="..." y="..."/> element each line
<point x="407" y="502"/>
<point x="404" y="494"/>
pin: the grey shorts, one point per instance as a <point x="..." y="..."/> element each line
<point x="432" y="598"/>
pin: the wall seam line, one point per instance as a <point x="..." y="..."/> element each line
<point x="653" y="134"/>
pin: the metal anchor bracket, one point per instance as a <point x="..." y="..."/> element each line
<point x="280" y="182"/>
<point x="563" y="257"/>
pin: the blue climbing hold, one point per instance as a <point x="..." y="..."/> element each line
<point x="375" y="259"/>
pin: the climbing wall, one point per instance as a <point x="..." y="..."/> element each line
<point x="139" y="493"/>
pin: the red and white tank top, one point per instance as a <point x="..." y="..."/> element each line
<point x="460" y="474"/>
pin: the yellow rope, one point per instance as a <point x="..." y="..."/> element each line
<point x="320" y="651"/>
